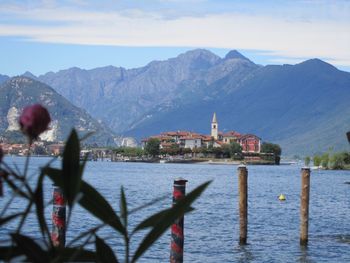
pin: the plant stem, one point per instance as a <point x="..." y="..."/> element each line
<point x="27" y="160"/>
<point x="24" y="217"/>
<point x="127" y="249"/>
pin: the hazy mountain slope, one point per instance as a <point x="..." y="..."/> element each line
<point x="304" y="107"/>
<point x="3" y="78"/>
<point x="19" y="92"/>
<point x="120" y="97"/>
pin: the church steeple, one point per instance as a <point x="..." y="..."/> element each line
<point x="214" y="127"/>
<point x="214" y="118"/>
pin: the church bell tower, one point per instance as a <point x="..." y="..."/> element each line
<point x="214" y="127"/>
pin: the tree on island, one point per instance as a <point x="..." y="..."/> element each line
<point x="152" y="147"/>
<point x="275" y="149"/>
<point x="235" y="150"/>
<point x="307" y="160"/>
<point x="317" y="160"/>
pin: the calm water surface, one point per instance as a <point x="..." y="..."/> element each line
<point x="212" y="230"/>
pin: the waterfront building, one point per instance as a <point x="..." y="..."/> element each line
<point x="184" y="139"/>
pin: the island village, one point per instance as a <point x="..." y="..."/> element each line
<point x="170" y="146"/>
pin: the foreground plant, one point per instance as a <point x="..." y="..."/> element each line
<point x="77" y="192"/>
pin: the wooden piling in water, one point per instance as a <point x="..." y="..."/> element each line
<point x="58" y="234"/>
<point x="243" y="203"/>
<point x="177" y="229"/>
<point x="304" y="205"/>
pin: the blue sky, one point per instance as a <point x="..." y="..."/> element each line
<point x="49" y="35"/>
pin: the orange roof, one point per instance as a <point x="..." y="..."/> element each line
<point x="246" y="136"/>
<point x="206" y="138"/>
<point x="232" y="134"/>
<point x="192" y="137"/>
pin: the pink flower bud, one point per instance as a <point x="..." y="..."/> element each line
<point x="34" y="120"/>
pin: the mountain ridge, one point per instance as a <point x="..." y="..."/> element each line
<point x="276" y="102"/>
<point x="20" y="91"/>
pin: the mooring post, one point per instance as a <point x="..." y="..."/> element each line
<point x="304" y="206"/>
<point x="58" y="235"/>
<point x="243" y="203"/>
<point x="177" y="228"/>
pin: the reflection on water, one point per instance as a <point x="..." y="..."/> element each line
<point x="244" y="254"/>
<point x="211" y="231"/>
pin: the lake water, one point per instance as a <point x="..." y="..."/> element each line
<point x="212" y="230"/>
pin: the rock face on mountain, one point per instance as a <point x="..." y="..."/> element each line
<point x="18" y="92"/>
<point x="303" y="107"/>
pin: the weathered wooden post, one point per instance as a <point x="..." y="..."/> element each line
<point x="58" y="235"/>
<point x="177" y="229"/>
<point x="243" y="203"/>
<point x="304" y="205"/>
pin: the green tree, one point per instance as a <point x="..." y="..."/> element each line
<point x="218" y="152"/>
<point x="337" y="161"/>
<point x="317" y="160"/>
<point x="307" y="160"/>
<point x="226" y="150"/>
<point x="132" y="151"/>
<point x="174" y="149"/>
<point x="152" y="147"/>
<point x="235" y="149"/>
<point x="39" y="150"/>
<point x="267" y="147"/>
<point x="346" y="157"/>
<point x="325" y="160"/>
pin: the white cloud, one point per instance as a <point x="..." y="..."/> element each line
<point x="288" y="39"/>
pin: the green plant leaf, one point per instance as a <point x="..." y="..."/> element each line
<point x="71" y="168"/>
<point x="87" y="135"/>
<point x="73" y="254"/>
<point x="39" y="204"/>
<point x="54" y="174"/>
<point x="9" y="252"/>
<point x="16" y="189"/>
<point x="103" y="252"/>
<point x="30" y="248"/>
<point x="97" y="205"/>
<point x="168" y="219"/>
<point x="123" y="207"/>
<point x="4" y="220"/>
<point x="156" y="218"/>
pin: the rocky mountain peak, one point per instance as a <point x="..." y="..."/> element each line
<point x="234" y="54"/>
<point x="28" y="74"/>
<point x="20" y="80"/>
<point x="201" y="54"/>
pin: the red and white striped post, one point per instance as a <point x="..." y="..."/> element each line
<point x="177" y="229"/>
<point x="58" y="235"/>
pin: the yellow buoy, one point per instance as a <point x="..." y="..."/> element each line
<point x="282" y="197"/>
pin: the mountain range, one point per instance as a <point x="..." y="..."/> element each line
<point x="303" y="107"/>
<point x="18" y="92"/>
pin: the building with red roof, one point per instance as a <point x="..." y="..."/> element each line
<point x="192" y="140"/>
